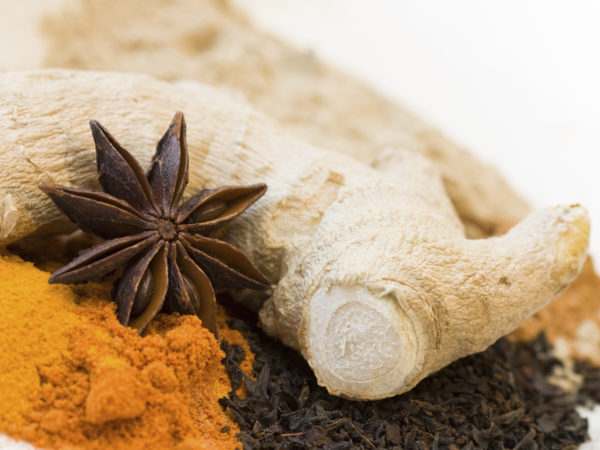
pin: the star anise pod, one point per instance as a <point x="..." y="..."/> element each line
<point x="169" y="261"/>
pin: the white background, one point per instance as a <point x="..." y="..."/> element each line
<point x="516" y="82"/>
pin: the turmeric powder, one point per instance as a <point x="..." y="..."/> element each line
<point x="72" y="376"/>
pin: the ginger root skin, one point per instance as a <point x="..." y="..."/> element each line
<point x="376" y="284"/>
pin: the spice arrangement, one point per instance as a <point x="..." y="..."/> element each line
<point x="371" y="320"/>
<point x="376" y="286"/>
<point x="102" y="385"/>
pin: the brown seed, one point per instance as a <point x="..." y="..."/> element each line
<point x="210" y="211"/>
<point x="143" y="294"/>
<point x="192" y="292"/>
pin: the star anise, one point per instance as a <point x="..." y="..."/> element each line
<point x="169" y="261"/>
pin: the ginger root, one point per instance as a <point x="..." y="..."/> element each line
<point x="376" y="284"/>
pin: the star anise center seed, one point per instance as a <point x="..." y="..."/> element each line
<point x="166" y="229"/>
<point x="143" y="294"/>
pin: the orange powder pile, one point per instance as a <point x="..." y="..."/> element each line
<point x="72" y="377"/>
<point x="574" y="317"/>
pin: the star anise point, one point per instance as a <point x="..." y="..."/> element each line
<point x="168" y="260"/>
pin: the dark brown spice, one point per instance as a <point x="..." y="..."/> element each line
<point x="169" y="262"/>
<point x="497" y="399"/>
<point x="589" y="393"/>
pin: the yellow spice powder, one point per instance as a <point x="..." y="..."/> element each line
<point x="72" y="377"/>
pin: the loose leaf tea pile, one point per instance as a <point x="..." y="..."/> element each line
<point x="496" y="399"/>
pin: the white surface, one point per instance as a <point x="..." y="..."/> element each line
<point x="517" y="82"/>
<point x="593" y="417"/>
<point x="7" y="443"/>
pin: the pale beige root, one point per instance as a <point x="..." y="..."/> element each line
<point x="210" y="41"/>
<point x="375" y="283"/>
<point x="388" y="306"/>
